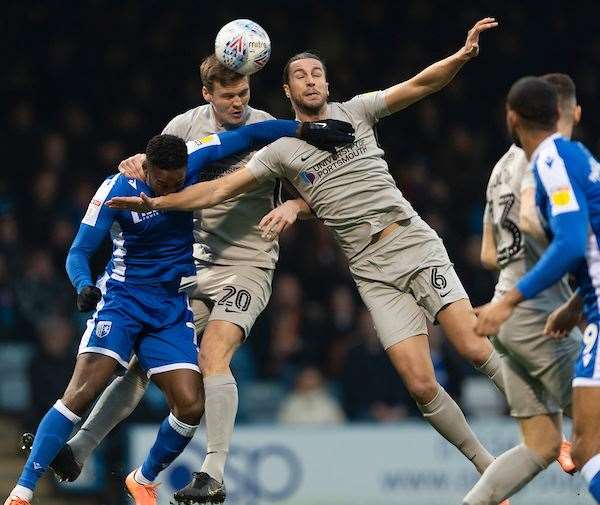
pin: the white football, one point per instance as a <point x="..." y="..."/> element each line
<point x="243" y="46"/>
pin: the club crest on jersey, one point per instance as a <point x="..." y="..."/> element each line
<point x="307" y="177"/>
<point x="103" y="328"/>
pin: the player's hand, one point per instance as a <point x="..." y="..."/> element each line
<point x="278" y="220"/>
<point x="142" y="203"/>
<point x="471" y="47"/>
<point x="133" y="167"/>
<point x="88" y="298"/>
<point x="491" y="316"/>
<point x="327" y="133"/>
<point x="561" y="321"/>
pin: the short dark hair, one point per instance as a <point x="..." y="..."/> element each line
<point x="536" y="101"/>
<point x="565" y="88"/>
<point x="166" y="152"/>
<point x="300" y="56"/>
<point x="212" y="70"/>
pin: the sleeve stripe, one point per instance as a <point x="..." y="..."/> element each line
<point x="209" y="140"/>
<point x="553" y="174"/>
<point x="95" y="206"/>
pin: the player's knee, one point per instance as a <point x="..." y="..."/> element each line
<point x="189" y="408"/>
<point x="215" y="355"/>
<point x="551" y="449"/>
<point x="78" y="398"/>
<point x="473" y="348"/>
<point x="422" y="389"/>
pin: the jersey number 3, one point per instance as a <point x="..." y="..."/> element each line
<point x="505" y="254"/>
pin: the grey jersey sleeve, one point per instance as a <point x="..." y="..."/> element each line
<point x="266" y="164"/>
<point x="370" y="106"/>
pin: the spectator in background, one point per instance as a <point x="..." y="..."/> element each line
<point x="371" y="388"/>
<point x="51" y="366"/>
<point x="310" y="402"/>
<point x="42" y="291"/>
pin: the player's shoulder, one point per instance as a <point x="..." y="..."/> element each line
<point x="119" y="185"/>
<point x="182" y="123"/>
<point x="257" y="115"/>
<point x="550" y="162"/>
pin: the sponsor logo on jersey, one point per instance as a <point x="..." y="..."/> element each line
<point x="103" y="328"/>
<point x="322" y="169"/>
<point x="138" y="217"/>
<point x="561" y="197"/>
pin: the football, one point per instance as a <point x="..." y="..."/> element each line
<point x="243" y="46"/>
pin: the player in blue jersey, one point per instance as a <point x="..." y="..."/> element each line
<point x="568" y="200"/>
<point x="139" y="307"/>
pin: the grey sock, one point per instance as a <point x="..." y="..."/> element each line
<point x="505" y="476"/>
<point x="117" y="401"/>
<point x="446" y="417"/>
<point x="493" y="369"/>
<point x="221" y="406"/>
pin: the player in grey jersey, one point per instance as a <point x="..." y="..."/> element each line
<point x="537" y="370"/>
<point x="399" y="263"/>
<point x="233" y="283"/>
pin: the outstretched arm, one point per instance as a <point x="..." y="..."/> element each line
<point x="436" y="76"/>
<point x="196" y="196"/>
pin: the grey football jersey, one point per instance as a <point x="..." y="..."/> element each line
<point x="228" y="233"/>
<point x="351" y="191"/>
<point x="516" y="252"/>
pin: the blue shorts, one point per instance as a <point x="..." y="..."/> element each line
<point x="155" y="322"/>
<point x="587" y="368"/>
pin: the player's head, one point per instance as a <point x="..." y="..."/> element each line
<point x="568" y="109"/>
<point x="166" y="164"/>
<point x="305" y="82"/>
<point x="227" y="91"/>
<point x="531" y="106"/>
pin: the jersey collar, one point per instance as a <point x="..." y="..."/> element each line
<point x="544" y="143"/>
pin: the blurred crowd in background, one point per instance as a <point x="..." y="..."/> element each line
<point x="86" y="86"/>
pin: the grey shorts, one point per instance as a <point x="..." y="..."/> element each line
<point x="233" y="293"/>
<point x="537" y="369"/>
<point x="405" y="279"/>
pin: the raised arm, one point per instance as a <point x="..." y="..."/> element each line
<point x="436" y="76"/>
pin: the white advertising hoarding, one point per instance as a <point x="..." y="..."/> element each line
<point x="403" y="464"/>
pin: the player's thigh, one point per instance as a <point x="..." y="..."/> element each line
<point x="547" y="363"/>
<point x="458" y="321"/>
<point x="395" y="314"/>
<point x="526" y="395"/>
<point x="218" y="344"/>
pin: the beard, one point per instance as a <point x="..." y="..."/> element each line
<point x="311" y="108"/>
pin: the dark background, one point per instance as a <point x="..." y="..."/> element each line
<point x="85" y="84"/>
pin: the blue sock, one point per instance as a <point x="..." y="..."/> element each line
<point x="51" y="435"/>
<point x="173" y="437"/>
<point x="591" y="473"/>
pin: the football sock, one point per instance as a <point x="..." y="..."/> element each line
<point x="221" y="406"/>
<point x="505" y="476"/>
<point x="173" y="437"/>
<point x="591" y="473"/>
<point x="117" y="401"/>
<point x="493" y="369"/>
<point x="52" y="433"/>
<point x="446" y="417"/>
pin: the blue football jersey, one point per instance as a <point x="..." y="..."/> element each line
<point x="148" y="248"/>
<point x="568" y="200"/>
